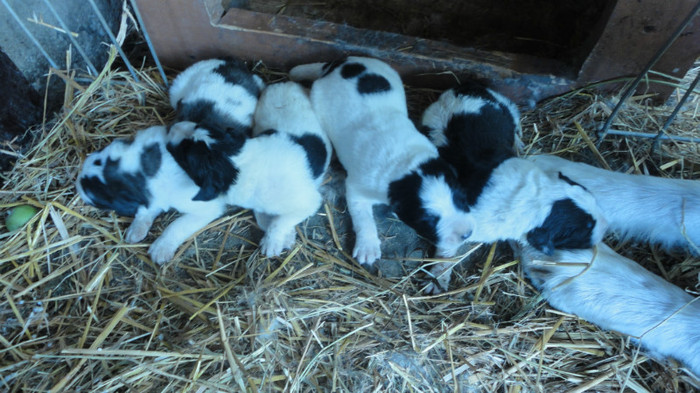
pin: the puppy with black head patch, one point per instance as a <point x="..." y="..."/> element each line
<point x="477" y="131"/>
<point x="659" y="210"/>
<point x="219" y="97"/>
<point x="294" y="153"/>
<point x="277" y="175"/>
<point x="361" y="105"/>
<point x="140" y="178"/>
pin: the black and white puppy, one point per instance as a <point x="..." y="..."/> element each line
<point x="477" y="131"/>
<point x="277" y="175"/>
<point x="220" y="97"/>
<point x="289" y="134"/>
<point x="361" y="105"/>
<point x="616" y="293"/>
<point x="659" y="210"/>
<point x="140" y="178"/>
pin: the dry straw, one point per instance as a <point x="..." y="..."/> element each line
<point x="81" y="310"/>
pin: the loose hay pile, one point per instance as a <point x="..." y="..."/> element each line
<point x="81" y="310"/>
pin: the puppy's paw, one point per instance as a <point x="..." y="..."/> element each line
<point x="272" y="245"/>
<point x="162" y="251"/>
<point x="440" y="282"/>
<point x="137" y="231"/>
<point x="437" y="286"/>
<point x="367" y="251"/>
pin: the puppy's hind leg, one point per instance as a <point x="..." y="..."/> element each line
<point x="367" y="244"/>
<point x="279" y="229"/>
<point x="263" y="219"/>
<point x="616" y="293"/>
<point x="441" y="274"/>
<point x="143" y="220"/>
<point x="163" y="249"/>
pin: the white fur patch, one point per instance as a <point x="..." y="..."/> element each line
<point x="659" y="210"/>
<point x="200" y="82"/>
<point x="373" y="138"/>
<point x="437" y="116"/>
<point x="616" y="293"/>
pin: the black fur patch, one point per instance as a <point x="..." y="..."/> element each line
<point x="477" y="143"/>
<point x="568" y="180"/>
<point x="566" y="227"/>
<point x="473" y="89"/>
<point x="437" y="167"/>
<point x="151" y="159"/>
<point x="316" y="153"/>
<point x="425" y="130"/>
<point x="123" y="192"/>
<point x="351" y="70"/>
<point x="372" y="83"/>
<point x="269" y="132"/>
<point x="236" y="73"/>
<point x="404" y="199"/>
<point x="486" y="138"/>
<point x="472" y="177"/>
<point x="206" y="116"/>
<point x="210" y="167"/>
<point x="440" y="168"/>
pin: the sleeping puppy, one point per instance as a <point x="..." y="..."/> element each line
<point x="362" y="107"/>
<point x="658" y="210"/>
<point x="289" y="133"/>
<point x="219" y="96"/>
<point x="276" y="175"/>
<point x="618" y="294"/>
<point x="140" y="178"/>
<point x="477" y="131"/>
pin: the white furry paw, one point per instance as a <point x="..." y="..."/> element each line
<point x="162" y="251"/>
<point x="367" y="251"/>
<point x="136" y="232"/>
<point x="273" y="245"/>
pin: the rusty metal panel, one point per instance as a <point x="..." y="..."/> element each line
<point x="184" y="31"/>
<point x="634" y="32"/>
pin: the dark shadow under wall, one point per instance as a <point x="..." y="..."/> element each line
<point x="20" y="109"/>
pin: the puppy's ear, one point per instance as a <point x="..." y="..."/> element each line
<point x="211" y="170"/>
<point x="151" y="159"/>
<point x="566" y="227"/>
<point x="541" y="239"/>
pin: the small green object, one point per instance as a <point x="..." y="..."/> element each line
<point x="18" y="216"/>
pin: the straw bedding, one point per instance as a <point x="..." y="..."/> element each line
<point x="81" y="310"/>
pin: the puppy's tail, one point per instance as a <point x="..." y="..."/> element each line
<point x="307" y="72"/>
<point x="311" y="72"/>
<point x="434" y="122"/>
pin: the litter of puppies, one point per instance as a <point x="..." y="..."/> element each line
<point x="273" y="307"/>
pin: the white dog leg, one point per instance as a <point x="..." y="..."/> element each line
<point x="280" y="234"/>
<point x="618" y="294"/>
<point x="143" y="220"/>
<point x="263" y="219"/>
<point x="367" y="244"/>
<point x="442" y="274"/>
<point x="163" y="249"/>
